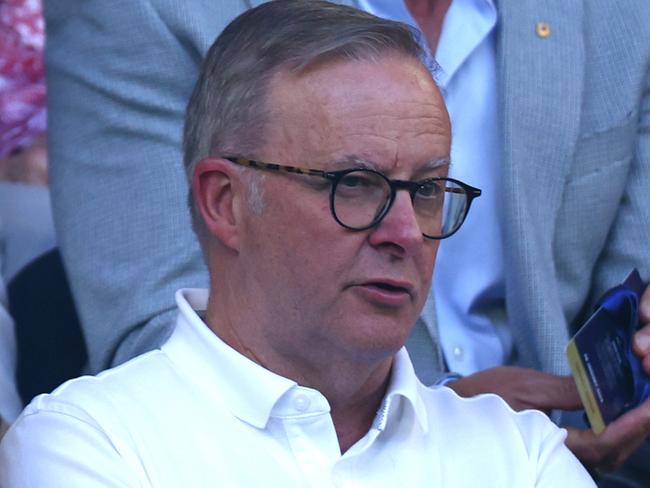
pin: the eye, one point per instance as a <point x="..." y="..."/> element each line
<point x="356" y="180"/>
<point x="430" y="189"/>
<point x="360" y="184"/>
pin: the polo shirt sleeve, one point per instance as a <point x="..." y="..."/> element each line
<point x="62" y="446"/>
<point x="556" y="464"/>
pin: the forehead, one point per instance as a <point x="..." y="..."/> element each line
<point x="387" y="112"/>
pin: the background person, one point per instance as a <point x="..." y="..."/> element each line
<point x="40" y="338"/>
<point x="10" y="404"/>
<point x="24" y="203"/>
<point x="23" y="156"/>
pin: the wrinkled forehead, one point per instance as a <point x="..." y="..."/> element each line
<point x="384" y="112"/>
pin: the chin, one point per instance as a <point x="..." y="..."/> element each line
<point x="378" y="340"/>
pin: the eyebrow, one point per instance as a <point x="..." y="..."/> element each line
<point x="438" y="163"/>
<point x="359" y="162"/>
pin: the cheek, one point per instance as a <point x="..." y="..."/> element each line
<point x="302" y="220"/>
<point x="299" y="240"/>
<point x="315" y="254"/>
<point x="426" y="264"/>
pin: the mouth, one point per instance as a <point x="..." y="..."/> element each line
<point x="386" y="292"/>
<point x="389" y="287"/>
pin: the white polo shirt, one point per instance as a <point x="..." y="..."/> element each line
<point x="197" y="413"/>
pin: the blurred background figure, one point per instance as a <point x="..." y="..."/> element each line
<point x="10" y="405"/>
<point x="36" y="311"/>
<point x="23" y="113"/>
<point x="23" y="160"/>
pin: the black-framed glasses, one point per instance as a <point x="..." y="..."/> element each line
<point x="360" y="198"/>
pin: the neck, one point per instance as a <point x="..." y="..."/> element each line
<point x="353" y="416"/>
<point x="429" y="15"/>
<point x="354" y="389"/>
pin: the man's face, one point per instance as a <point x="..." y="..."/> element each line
<point x="325" y="292"/>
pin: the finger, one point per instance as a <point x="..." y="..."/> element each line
<point x="644" y="307"/>
<point x="593" y="452"/>
<point x="583" y="444"/>
<point x="616" y="443"/>
<point x="641" y="342"/>
<point x="559" y="393"/>
<point x="631" y="425"/>
<point x="646" y="364"/>
<point x="36" y="165"/>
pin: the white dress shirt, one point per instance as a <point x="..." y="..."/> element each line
<point x="197" y="413"/>
<point x="468" y="285"/>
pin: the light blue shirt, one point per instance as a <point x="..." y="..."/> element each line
<point x="468" y="283"/>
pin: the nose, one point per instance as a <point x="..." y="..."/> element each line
<point x="399" y="229"/>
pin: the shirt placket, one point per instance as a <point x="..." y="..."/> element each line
<point x="305" y="417"/>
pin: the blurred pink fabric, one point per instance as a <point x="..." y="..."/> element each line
<point x="23" y="113"/>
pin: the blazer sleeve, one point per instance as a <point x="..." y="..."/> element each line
<point x="119" y="74"/>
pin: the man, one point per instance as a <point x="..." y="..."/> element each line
<point x="566" y="151"/>
<point x="318" y="271"/>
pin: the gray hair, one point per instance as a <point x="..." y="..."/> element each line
<point x="227" y="112"/>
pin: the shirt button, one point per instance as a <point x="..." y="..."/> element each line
<point x="458" y="353"/>
<point x="301" y="403"/>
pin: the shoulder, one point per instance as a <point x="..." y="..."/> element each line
<point x="488" y="414"/>
<point x="85" y="432"/>
<point x="144" y="377"/>
<point x="497" y="446"/>
<point x="107" y="415"/>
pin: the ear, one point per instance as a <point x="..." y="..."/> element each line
<point x="215" y="185"/>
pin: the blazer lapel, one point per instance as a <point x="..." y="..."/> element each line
<point x="541" y="63"/>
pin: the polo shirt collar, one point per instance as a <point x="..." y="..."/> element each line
<point x="249" y="390"/>
<point x="405" y="386"/>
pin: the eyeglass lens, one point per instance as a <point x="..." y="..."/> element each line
<point x="361" y="198"/>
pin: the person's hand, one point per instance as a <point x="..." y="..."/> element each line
<point x="522" y="388"/>
<point x="620" y="438"/>
<point x="611" y="448"/>
<point x="526" y="388"/>
<point x="29" y="166"/>
<point x="641" y="343"/>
